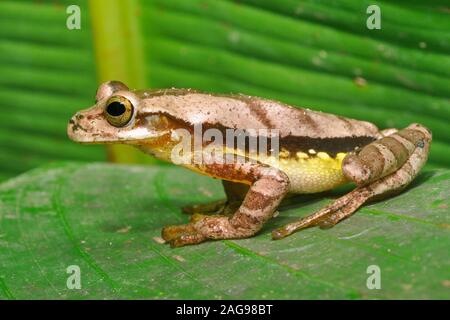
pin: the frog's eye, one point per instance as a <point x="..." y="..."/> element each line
<point x="118" y="111"/>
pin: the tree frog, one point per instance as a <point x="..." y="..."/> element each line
<point x="315" y="152"/>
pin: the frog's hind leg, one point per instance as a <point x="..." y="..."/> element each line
<point x="380" y="169"/>
<point x="235" y="194"/>
<point x="268" y="186"/>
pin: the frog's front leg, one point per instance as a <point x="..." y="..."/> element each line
<point x="380" y="169"/>
<point x="268" y="186"/>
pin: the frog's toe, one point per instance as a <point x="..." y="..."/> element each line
<point x="187" y="239"/>
<point x="172" y="232"/>
<point x="181" y="235"/>
<point x="196" y="217"/>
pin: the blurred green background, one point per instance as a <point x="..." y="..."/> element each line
<point x="316" y="54"/>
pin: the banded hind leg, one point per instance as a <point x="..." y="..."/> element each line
<point x="267" y="187"/>
<point x="380" y="169"/>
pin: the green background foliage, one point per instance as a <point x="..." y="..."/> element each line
<point x="310" y="53"/>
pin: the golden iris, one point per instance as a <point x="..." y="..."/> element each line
<point x="118" y="111"/>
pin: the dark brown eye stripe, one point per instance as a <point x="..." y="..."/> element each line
<point x="293" y="144"/>
<point x="332" y="146"/>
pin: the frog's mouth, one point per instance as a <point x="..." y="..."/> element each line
<point x="97" y="131"/>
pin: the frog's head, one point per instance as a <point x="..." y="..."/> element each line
<point x="114" y="118"/>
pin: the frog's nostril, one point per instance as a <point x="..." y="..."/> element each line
<point x="78" y="116"/>
<point x="74" y="125"/>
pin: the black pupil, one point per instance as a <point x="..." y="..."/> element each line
<point x="115" y="109"/>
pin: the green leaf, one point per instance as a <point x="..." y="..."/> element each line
<point x="106" y="219"/>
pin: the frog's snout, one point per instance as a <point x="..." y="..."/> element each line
<point x="89" y="126"/>
<point x="74" y="128"/>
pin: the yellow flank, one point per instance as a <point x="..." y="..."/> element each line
<point x="323" y="155"/>
<point x="308" y="172"/>
<point x="302" y="155"/>
<point x="284" y="153"/>
<point x="315" y="173"/>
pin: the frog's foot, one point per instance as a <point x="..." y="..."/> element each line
<point x="201" y="228"/>
<point x="210" y="207"/>
<point x="204" y="227"/>
<point x="382" y="168"/>
<point x="181" y="235"/>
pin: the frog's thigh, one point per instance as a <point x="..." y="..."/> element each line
<point x="382" y="168"/>
<point x="268" y="186"/>
<point x="387" y="155"/>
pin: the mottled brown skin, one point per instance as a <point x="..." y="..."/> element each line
<point x="319" y="152"/>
